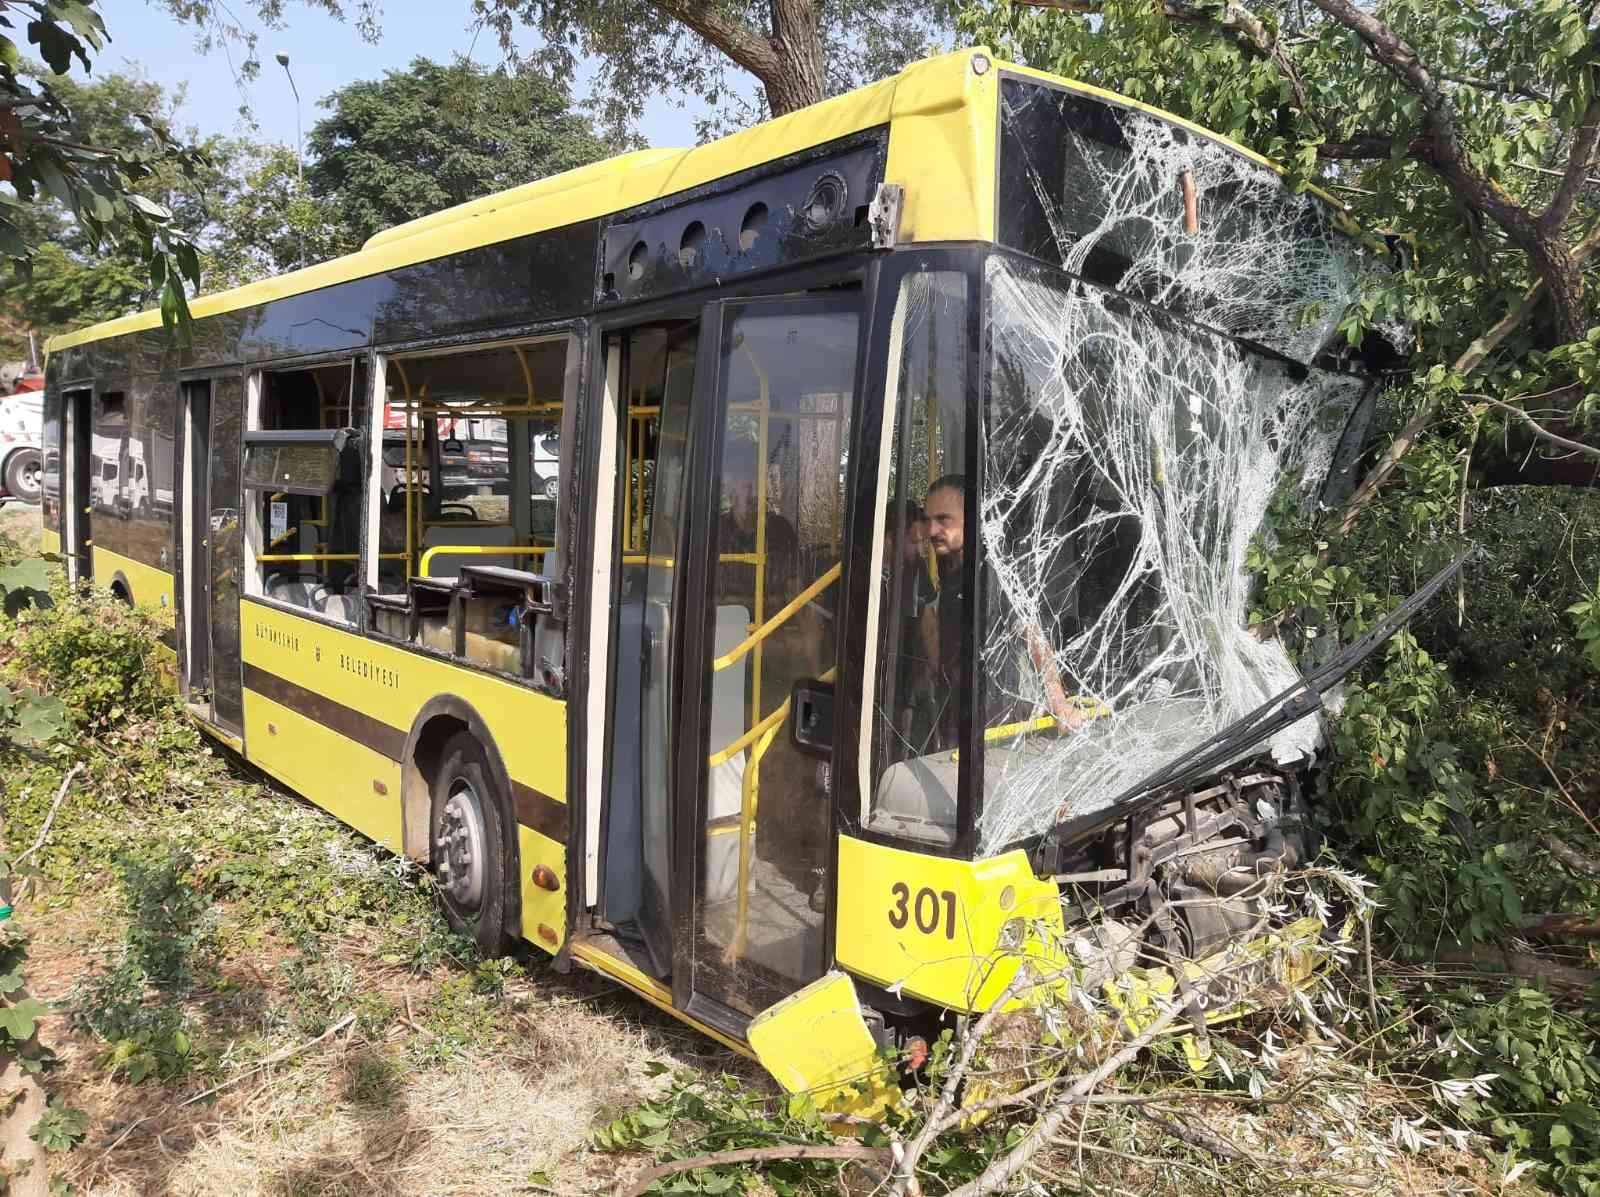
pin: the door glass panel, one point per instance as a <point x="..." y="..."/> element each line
<point x="787" y="373"/>
<point x="657" y="387"/>
<point x="226" y="544"/>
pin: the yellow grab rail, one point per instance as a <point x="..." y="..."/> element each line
<point x="480" y="550"/>
<point x="780" y="617"/>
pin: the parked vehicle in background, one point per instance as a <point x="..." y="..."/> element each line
<point x="21" y="420"/>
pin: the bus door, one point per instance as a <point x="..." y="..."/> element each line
<point x="210" y="563"/>
<point x="736" y="605"/>
<point x="77" y="486"/>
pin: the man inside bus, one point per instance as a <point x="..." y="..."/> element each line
<point x="946" y="508"/>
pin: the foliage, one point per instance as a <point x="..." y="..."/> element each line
<point x="1586" y="622"/>
<point x="137" y="1005"/>
<point x="1542" y="1100"/>
<point x="60" y="1128"/>
<point x="435" y="135"/>
<point x="97" y="656"/>
<point x="43" y="156"/>
<point x="799" y="52"/>
<point x="1463" y="158"/>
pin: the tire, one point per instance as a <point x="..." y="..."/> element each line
<point x="24" y="476"/>
<point x="474" y="855"/>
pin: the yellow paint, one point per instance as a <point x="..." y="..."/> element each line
<point x="148" y="586"/>
<point x="50" y="541"/>
<point x="816" y="1041"/>
<point x="391" y="684"/>
<point x="331" y="770"/>
<point x="652" y="991"/>
<point x="219" y="733"/>
<point x="540" y="906"/>
<point x="960" y="963"/>
<point x="942" y="148"/>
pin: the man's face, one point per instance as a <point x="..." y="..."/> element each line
<point x="945" y="522"/>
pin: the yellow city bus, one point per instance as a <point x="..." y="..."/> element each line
<point x="808" y="563"/>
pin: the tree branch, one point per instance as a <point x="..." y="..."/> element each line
<point x="1572" y="180"/>
<point x="1235" y="19"/>
<point x="1540" y="431"/>
<point x="1551" y="260"/>
<point x="1470" y="360"/>
<point x="755" y="1155"/>
<point x="1576" y="863"/>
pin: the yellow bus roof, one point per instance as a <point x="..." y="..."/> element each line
<point x="942" y="116"/>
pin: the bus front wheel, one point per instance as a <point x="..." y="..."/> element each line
<point x="472" y="849"/>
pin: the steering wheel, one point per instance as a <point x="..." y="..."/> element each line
<point x="463" y="510"/>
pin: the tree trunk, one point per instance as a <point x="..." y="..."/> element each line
<point x="797" y="80"/>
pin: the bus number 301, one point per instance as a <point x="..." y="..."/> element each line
<point x="926" y="908"/>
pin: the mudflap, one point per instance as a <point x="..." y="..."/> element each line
<point x="816" y="1041"/>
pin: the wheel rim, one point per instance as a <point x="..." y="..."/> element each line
<point x="461" y="847"/>
<point x="30" y="478"/>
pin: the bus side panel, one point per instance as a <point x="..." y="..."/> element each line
<point x="368" y="693"/>
<point x="338" y="774"/>
<point x="544" y="911"/>
<point x="148" y="586"/>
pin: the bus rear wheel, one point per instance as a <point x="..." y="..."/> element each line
<point x="473" y="853"/>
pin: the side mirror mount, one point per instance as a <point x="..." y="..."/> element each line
<point x="811" y="717"/>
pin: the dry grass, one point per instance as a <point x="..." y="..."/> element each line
<point x="356" y="1115"/>
<point x="21" y="524"/>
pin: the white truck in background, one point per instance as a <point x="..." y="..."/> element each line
<point x="147" y="482"/>
<point x="21" y="431"/>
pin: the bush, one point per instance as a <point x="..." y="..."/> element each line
<point x="97" y="655"/>
<point x="138" y="1005"/>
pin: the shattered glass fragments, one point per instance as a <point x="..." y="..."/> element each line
<point x="1129" y="457"/>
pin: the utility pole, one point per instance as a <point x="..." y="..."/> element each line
<point x="299" y="148"/>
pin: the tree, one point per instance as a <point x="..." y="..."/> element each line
<point x="74" y="278"/>
<point x="263" y="223"/>
<point x="435" y="135"/>
<point x="799" y="51"/>
<point x="1470" y="128"/>
<point x="44" y="156"/>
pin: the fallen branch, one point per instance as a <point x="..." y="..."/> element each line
<point x="50" y="818"/>
<point x="1576" y="863"/>
<point x="276" y="1058"/>
<point x="1521" y="964"/>
<point x="1573" y="926"/>
<point x="1470" y="360"/>
<point x="850" y="1152"/>
<point x="1540" y="431"/>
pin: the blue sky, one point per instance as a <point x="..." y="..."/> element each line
<point x="324" y="55"/>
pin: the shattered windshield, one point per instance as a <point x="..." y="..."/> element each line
<point x="1128" y="461"/>
<point x="1188" y="224"/>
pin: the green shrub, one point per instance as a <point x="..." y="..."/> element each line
<point x="98" y="656"/>
<point x="138" y="1005"/>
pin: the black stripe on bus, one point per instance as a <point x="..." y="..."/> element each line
<point x="347" y="721"/>
<point x="535" y="810"/>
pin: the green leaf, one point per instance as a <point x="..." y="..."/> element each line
<point x="20" y="1021"/>
<point x="28" y="574"/>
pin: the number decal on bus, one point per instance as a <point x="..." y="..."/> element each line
<point x="924" y="908"/>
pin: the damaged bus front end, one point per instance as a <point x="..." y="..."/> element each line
<point x="1077" y="757"/>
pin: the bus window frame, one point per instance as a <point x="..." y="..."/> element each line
<point x="254" y="376"/>
<point x="868" y="549"/>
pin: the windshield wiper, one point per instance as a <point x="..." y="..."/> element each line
<point x="1289" y="706"/>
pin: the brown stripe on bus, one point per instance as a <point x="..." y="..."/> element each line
<point x="540" y="812"/>
<point x="347" y="721"/>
